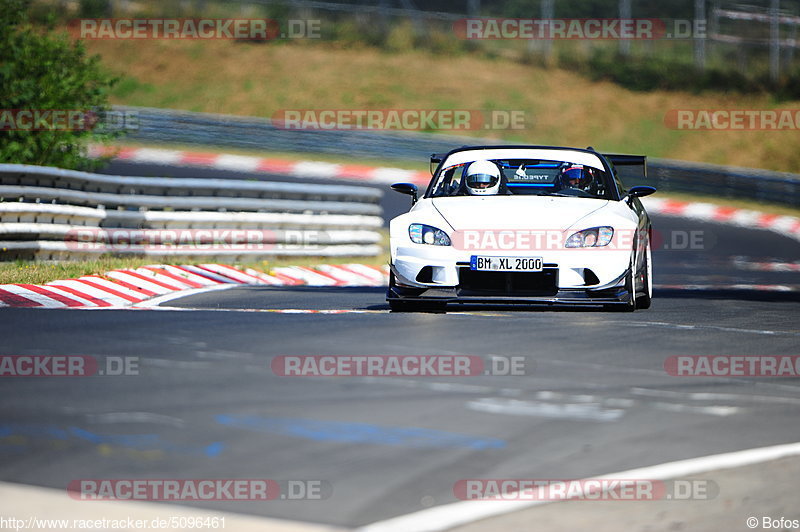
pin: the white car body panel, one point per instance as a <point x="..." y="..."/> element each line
<point x="521" y="226"/>
<point x="554" y="216"/>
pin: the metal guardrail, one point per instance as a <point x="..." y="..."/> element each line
<point x="161" y="125"/>
<point x="183" y="127"/>
<point x="50" y="213"/>
<point x="726" y="181"/>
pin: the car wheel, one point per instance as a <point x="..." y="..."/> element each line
<point x="644" y="301"/>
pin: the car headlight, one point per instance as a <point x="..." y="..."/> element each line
<point x="595" y="237"/>
<point x="425" y="234"/>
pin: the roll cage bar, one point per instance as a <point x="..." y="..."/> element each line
<point x="609" y="162"/>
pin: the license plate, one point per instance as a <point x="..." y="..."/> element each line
<point x="505" y="264"/>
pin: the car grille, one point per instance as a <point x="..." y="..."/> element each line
<point x="544" y="283"/>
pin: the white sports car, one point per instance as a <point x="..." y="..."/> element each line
<point x="523" y="224"/>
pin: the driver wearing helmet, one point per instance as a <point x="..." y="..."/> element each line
<point x="575" y="176"/>
<point x="483" y="179"/>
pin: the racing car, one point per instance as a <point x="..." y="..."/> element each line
<point x="523" y="224"/>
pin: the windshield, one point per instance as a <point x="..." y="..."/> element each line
<point x="527" y="177"/>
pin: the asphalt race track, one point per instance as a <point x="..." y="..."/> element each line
<point x="597" y="399"/>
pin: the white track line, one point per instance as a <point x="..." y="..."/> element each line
<point x="451" y="515"/>
<point x="156" y="301"/>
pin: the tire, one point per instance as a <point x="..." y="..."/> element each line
<point x="643" y="302"/>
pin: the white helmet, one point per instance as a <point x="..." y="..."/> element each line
<point x="483" y="178"/>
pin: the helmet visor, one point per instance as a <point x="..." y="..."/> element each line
<point x="481" y="181"/>
<point x="572" y="176"/>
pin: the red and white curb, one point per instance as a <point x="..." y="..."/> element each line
<point x="785" y="225"/>
<point x="743" y="263"/>
<point x="729" y="287"/>
<point x="244" y="163"/>
<point x="148" y="285"/>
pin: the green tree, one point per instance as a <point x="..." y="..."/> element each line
<point x="41" y="71"/>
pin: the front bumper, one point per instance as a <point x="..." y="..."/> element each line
<point x="618" y="294"/>
<point x="570" y="276"/>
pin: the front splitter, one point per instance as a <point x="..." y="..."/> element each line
<point x="617" y="296"/>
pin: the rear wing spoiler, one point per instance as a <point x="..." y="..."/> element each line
<point x="628" y="160"/>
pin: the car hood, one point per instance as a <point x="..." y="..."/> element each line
<point x="516" y="212"/>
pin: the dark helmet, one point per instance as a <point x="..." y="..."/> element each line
<point x="575" y="176"/>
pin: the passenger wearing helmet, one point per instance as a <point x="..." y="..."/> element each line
<point x="483" y="178"/>
<point x="575" y="176"/>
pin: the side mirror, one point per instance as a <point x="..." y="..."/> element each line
<point x="435" y="160"/>
<point x="641" y="191"/>
<point x="407" y="188"/>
